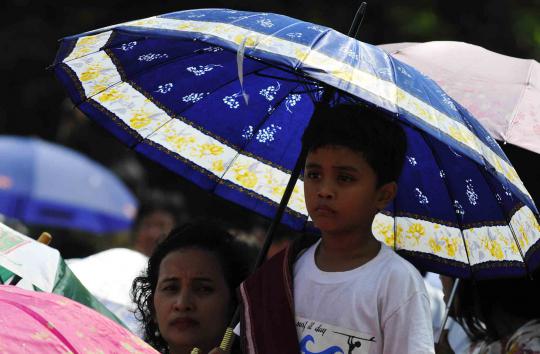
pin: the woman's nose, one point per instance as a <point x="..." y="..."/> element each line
<point x="184" y="301"/>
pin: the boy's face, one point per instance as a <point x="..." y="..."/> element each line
<point x="341" y="191"/>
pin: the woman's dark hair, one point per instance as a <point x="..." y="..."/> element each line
<point x="478" y="303"/>
<point x="233" y="255"/>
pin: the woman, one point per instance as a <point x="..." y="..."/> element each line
<point x="186" y="297"/>
<point x="500" y="316"/>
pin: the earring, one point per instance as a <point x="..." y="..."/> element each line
<point x="156" y="333"/>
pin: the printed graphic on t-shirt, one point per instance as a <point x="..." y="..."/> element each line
<point x="319" y="338"/>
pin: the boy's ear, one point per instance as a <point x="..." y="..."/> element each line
<point x="386" y="194"/>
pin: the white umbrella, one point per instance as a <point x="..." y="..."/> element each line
<point x="108" y="276"/>
<point x="36" y="266"/>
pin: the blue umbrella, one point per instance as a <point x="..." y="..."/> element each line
<point x="47" y="184"/>
<point x="222" y="98"/>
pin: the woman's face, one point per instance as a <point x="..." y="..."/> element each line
<point x="191" y="300"/>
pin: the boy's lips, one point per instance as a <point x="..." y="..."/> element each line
<point x="324" y="210"/>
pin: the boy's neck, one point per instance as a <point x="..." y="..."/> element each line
<point x="339" y="253"/>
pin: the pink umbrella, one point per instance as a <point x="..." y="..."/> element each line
<point x="502" y="92"/>
<point x="38" y="322"/>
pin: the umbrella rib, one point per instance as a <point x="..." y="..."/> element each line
<point x="124" y="79"/>
<point x="147" y="69"/>
<point x="239" y="150"/>
<point x="179" y="113"/>
<point x="508" y="219"/>
<point x="450" y="195"/>
<point x="87" y="99"/>
<point x="521" y="94"/>
<point x="42" y="321"/>
<point x="482" y="172"/>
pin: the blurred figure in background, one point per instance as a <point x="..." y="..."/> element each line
<point x="158" y="214"/>
<point x="499" y="316"/>
<point x="108" y="275"/>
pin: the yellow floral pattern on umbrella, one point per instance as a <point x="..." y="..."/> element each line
<point x="493" y="246"/>
<point x="139" y="119"/>
<point x="218" y="166"/>
<point x="244" y="176"/>
<point x="434" y="245"/>
<point x="206" y="149"/>
<point x="88" y="44"/>
<point x="415" y="232"/>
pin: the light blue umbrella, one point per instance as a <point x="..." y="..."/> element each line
<point x="222" y="98"/>
<point x="47" y="184"/>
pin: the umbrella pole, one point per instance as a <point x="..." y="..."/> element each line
<point x="44" y="238"/>
<point x="228" y="337"/>
<point x="447" y="311"/>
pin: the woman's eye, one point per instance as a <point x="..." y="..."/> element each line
<point x="205" y="289"/>
<point x="169" y="288"/>
<point x="345" y="178"/>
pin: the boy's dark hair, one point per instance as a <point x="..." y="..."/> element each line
<point x="380" y="140"/>
<point x="235" y="258"/>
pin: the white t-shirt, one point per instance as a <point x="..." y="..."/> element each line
<point x="379" y="307"/>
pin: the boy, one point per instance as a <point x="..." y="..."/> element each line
<point x="352" y="294"/>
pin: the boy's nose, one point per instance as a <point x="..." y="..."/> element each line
<point x="326" y="191"/>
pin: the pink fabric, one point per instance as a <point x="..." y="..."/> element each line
<point x="38" y="322"/>
<point x="502" y="92"/>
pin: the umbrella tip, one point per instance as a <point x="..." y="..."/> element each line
<point x="357" y="21"/>
<point x="44" y="238"/>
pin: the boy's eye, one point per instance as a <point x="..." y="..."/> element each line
<point x="312" y="175"/>
<point x="346" y="178"/>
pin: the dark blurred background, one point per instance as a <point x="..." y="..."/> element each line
<point x="33" y="102"/>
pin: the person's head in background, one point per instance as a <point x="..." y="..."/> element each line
<point x="186" y="297"/>
<point x="492" y="310"/>
<point x="156" y="217"/>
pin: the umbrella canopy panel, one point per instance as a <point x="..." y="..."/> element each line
<point x="222" y="97"/>
<point x="48" y="184"/>
<point x="37" y="322"/>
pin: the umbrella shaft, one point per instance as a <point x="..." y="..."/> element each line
<point x="447" y="311"/>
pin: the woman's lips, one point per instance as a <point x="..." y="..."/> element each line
<point x="183" y="323"/>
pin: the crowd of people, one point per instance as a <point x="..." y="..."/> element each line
<point x="344" y="282"/>
<point x="340" y="291"/>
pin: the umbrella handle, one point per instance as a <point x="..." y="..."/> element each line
<point x="226" y="342"/>
<point x="447" y="311"/>
<point x="44" y="238"/>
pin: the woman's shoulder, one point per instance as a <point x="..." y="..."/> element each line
<point x="525" y="339"/>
